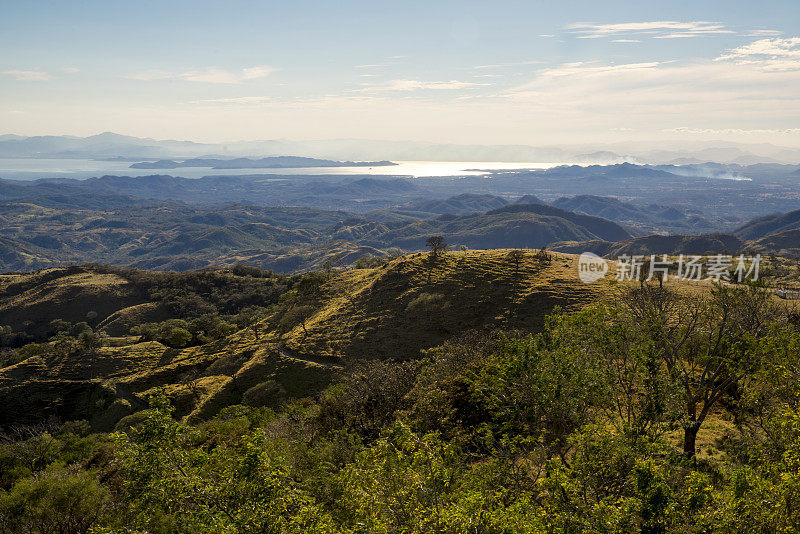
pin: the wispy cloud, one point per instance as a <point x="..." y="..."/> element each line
<point x="413" y="85"/>
<point x="762" y="33"/>
<point x="70" y="70"/>
<point x="717" y="131"/>
<point x="151" y="74"/>
<point x="663" y="29"/>
<point x="506" y="65"/>
<point x="768" y="54"/>
<point x="587" y="69"/>
<point x="28" y="75"/>
<point x="626" y="41"/>
<point x="207" y="75"/>
<point x="710" y="91"/>
<point x="243" y="100"/>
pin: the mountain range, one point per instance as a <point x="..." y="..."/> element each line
<point x="112" y="145"/>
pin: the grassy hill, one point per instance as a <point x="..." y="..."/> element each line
<point x="387" y="312"/>
<point x="408" y="304"/>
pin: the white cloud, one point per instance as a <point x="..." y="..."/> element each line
<point x="658" y="29"/>
<point x="413" y="85"/>
<point x="591" y="69"/>
<point x="253" y="73"/>
<point x="626" y="41"/>
<point x="212" y="75"/>
<point x="678" y="35"/>
<point x="768" y="54"/>
<point x="28" y="75"/>
<point x="659" y="94"/>
<point x="207" y="75"/>
<point x="70" y="70"/>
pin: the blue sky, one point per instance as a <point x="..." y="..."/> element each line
<point x="463" y="72"/>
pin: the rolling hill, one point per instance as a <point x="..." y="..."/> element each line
<point x="650" y="218"/>
<point x="769" y="224"/>
<point x="658" y="244"/>
<point x="50" y="231"/>
<point x="391" y="311"/>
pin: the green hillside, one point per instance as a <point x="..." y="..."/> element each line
<point x="391" y="311"/>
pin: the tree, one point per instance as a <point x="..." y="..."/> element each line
<point x="544" y="257"/>
<point x="367" y="398"/>
<point x="175" y="486"/>
<point x="90" y="341"/>
<point x="437" y="245"/>
<point x="515" y="257"/>
<point x="178" y="337"/>
<point x="298" y="315"/>
<point x="59" y="500"/>
<point x="329" y="264"/>
<point x="708" y="347"/>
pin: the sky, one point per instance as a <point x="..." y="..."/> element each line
<point x="501" y="72"/>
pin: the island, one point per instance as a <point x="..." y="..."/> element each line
<point x="275" y="162"/>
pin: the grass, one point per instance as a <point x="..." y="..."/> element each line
<point x="365" y="312"/>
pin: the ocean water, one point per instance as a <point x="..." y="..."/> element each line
<point x="32" y="169"/>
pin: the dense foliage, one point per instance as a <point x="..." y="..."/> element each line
<point x="652" y="413"/>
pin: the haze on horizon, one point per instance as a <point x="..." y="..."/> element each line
<point x="511" y="72"/>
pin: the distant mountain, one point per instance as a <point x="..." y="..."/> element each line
<point x="150" y="234"/>
<point x="111" y="145"/>
<point x="785" y="243"/>
<point x="657" y="244"/>
<point x="600" y="227"/>
<point x="460" y="204"/>
<point x="652" y="217"/>
<point x="770" y="224"/>
<point x="107" y="144"/>
<point x="427" y="209"/>
<point x="349" y="192"/>
<point x="601" y="156"/>
<point x="511" y="226"/>
<point x="775" y="234"/>
<point x="606" y="207"/>
<point x="529" y="199"/>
